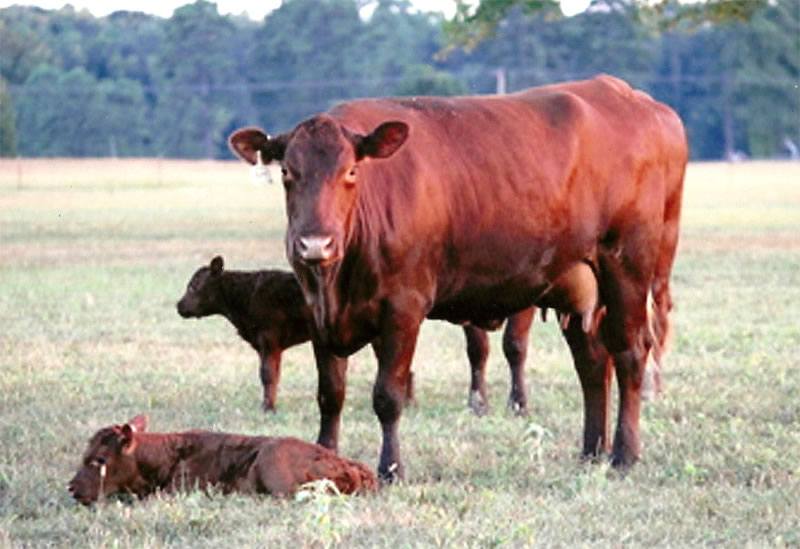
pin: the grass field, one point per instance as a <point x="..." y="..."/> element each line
<point x="94" y="254"/>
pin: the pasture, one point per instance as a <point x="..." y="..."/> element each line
<point x="94" y="255"/>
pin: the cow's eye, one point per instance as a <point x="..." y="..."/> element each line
<point x="99" y="461"/>
<point x="288" y="174"/>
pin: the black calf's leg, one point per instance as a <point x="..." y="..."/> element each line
<point x="270" y="373"/>
<point x="477" y="351"/>
<point x="515" y="347"/>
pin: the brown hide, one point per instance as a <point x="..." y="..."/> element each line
<point x="474" y="216"/>
<point x="142" y="463"/>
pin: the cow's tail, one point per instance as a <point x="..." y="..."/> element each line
<point x="660" y="297"/>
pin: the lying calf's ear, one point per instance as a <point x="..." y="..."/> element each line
<point x="217" y="264"/>
<point x="139" y="423"/>
<point x="127" y="440"/>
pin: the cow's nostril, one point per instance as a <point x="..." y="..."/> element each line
<point x="316" y="248"/>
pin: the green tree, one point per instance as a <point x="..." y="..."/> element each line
<point x="201" y="81"/>
<point x="765" y="66"/>
<point x="22" y="45"/>
<point x="734" y="85"/>
<point x="472" y="24"/>
<point x="8" y="137"/>
<point x="128" y="45"/>
<point x="398" y="40"/>
<point x="73" y="114"/>
<point x="425" y="80"/>
<point x="304" y="58"/>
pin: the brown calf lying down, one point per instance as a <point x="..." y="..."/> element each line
<point x="126" y="459"/>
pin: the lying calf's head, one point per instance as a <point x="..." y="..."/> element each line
<point x="203" y="295"/>
<point x="108" y="464"/>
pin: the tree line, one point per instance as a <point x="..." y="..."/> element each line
<point x="132" y="84"/>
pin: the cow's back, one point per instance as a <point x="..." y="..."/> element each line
<point x="505" y="192"/>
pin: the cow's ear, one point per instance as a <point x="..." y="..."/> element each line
<point x="127" y="439"/>
<point x="246" y="142"/>
<point x="139" y="423"/>
<point x="383" y="141"/>
<point x="217" y="264"/>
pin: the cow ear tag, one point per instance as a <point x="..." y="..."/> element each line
<point x="260" y="172"/>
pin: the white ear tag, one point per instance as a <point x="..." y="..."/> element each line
<point x="260" y="172"/>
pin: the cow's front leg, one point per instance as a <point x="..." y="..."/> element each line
<point x="270" y="373"/>
<point x="332" y="374"/>
<point x="394" y="349"/>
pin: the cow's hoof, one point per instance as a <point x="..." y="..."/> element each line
<point x="478" y="404"/>
<point x="516" y="407"/>
<point x="268" y="407"/>
<point x="594" y="457"/>
<point x="391" y="474"/>
<point x="622" y="461"/>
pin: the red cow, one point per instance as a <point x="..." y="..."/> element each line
<point x="470" y="209"/>
<point x="125" y="458"/>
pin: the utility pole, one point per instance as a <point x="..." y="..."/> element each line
<point x="500" y="81"/>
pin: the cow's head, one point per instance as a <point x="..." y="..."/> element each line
<point x="108" y="464"/>
<point x="320" y="162"/>
<point x="203" y="295"/>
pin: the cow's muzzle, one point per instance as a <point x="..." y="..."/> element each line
<point x="316" y="249"/>
<point x="183" y="309"/>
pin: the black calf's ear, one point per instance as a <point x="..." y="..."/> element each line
<point x="217" y="264"/>
<point x="246" y="143"/>
<point x="384" y="140"/>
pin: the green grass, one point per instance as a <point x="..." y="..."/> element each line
<point x="93" y="257"/>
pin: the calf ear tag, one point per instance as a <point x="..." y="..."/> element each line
<point x="261" y="173"/>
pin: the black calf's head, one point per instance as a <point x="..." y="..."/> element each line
<point x="203" y="295"/>
<point x="108" y="465"/>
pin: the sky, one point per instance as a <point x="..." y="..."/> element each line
<point x="256" y="9"/>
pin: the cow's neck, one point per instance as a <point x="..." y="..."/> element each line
<point x="320" y="289"/>
<point x="338" y="293"/>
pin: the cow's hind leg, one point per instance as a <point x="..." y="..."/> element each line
<point x="477" y="352"/>
<point x="594" y="368"/>
<point x="331" y="372"/>
<point x="624" y="285"/>
<point x="394" y="349"/>
<point x="515" y="347"/>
